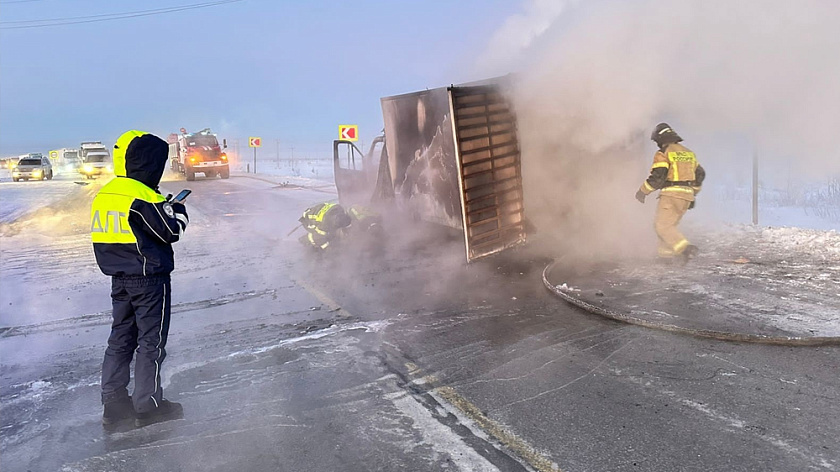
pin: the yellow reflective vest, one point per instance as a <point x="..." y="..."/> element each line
<point x="132" y="228"/>
<point x="675" y="173"/>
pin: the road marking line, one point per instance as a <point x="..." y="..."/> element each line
<point x="522" y="449"/>
<point x="497" y="431"/>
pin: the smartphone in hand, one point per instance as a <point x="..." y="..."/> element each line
<point x="182" y="195"/>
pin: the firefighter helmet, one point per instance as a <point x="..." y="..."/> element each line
<point x="664" y="134"/>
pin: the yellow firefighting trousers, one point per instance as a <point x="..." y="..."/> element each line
<point x="668" y="215"/>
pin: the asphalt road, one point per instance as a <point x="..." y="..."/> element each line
<point x="401" y="357"/>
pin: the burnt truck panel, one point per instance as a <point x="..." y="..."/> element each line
<point x="421" y="156"/>
<point x="489" y="170"/>
<point x="449" y="156"/>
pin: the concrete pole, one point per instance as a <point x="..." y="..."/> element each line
<point x="755" y="189"/>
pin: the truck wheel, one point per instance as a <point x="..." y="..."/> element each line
<point x="225" y="174"/>
<point x="15" y="179"/>
<point x="190" y="176"/>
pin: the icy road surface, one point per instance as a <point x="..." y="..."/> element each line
<point x="753" y="283"/>
<point x="406" y="360"/>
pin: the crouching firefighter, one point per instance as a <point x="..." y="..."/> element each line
<point x="678" y="177"/>
<point x="324" y="224"/>
<point x="133" y="227"/>
<point x="366" y="230"/>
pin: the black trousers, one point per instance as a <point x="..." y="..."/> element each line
<point x="142" y="307"/>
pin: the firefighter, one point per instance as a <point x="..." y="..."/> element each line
<point x="678" y="177"/>
<point x="364" y="220"/>
<point x="366" y="232"/>
<point x="324" y="224"/>
<point x="133" y="227"/>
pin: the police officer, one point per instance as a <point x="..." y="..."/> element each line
<point x="678" y="177"/>
<point x="133" y="227"/>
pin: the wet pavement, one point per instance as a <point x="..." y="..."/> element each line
<point x="384" y="361"/>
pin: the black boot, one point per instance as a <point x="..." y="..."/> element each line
<point x="167" y="411"/>
<point x="118" y="413"/>
<point x="690" y="252"/>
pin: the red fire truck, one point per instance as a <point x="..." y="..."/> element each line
<point x="193" y="153"/>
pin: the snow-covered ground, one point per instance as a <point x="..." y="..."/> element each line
<point x="754" y="281"/>
<point x="310" y="168"/>
<point x="814" y="205"/>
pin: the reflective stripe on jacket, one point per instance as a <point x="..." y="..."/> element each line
<point x="324" y="218"/>
<point x="675" y="172"/>
<point x="133" y="228"/>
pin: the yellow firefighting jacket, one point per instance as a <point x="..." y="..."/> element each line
<point x="675" y="172"/>
<point x="323" y="222"/>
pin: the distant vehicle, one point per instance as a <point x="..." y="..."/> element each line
<point x="95" y="159"/>
<point x="66" y="157"/>
<point x="95" y="165"/>
<point x="192" y="153"/>
<point x="33" y="166"/>
<point x="9" y="162"/>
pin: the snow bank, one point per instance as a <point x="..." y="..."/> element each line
<point x="819" y="243"/>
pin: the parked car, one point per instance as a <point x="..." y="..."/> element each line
<point x="33" y="166"/>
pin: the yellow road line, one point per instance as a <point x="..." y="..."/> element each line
<point x="509" y="440"/>
<point x="323" y="298"/>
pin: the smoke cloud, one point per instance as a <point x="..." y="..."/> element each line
<point x="733" y="78"/>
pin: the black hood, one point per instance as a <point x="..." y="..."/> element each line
<point x="145" y="159"/>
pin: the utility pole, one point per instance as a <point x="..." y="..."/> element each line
<point x="755" y="189"/>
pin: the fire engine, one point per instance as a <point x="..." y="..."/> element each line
<point x="192" y="153"/>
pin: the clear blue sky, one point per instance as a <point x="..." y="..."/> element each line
<point x="277" y="69"/>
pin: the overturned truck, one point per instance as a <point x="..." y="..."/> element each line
<point x="449" y="156"/>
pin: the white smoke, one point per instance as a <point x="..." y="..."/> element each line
<point x="604" y="71"/>
<point x="732" y="77"/>
<point x="518" y="33"/>
<point x="608" y="69"/>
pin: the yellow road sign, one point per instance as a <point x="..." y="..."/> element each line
<point x="348" y="132"/>
<point x="254" y="142"/>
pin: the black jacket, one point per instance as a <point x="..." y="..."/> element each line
<point x="132" y="225"/>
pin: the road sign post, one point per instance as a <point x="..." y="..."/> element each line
<point x="255" y="142"/>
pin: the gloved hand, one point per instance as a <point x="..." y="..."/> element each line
<point x="181" y="215"/>
<point x="691" y="205"/>
<point x="640" y="196"/>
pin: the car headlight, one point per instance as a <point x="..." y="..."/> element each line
<point x="36" y="171"/>
<point x="87" y="168"/>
